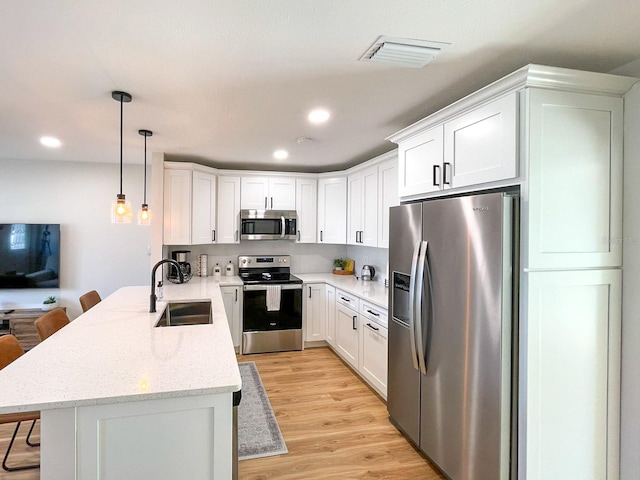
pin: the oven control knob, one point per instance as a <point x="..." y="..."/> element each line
<point x="284" y="260"/>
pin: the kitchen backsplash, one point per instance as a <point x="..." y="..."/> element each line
<point x="305" y="257"/>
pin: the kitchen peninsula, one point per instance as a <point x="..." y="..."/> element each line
<point x="122" y="399"/>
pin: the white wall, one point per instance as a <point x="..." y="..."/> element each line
<point x="95" y="254"/>
<point x="376" y="257"/>
<point x="305" y="257"/>
<point x="630" y="428"/>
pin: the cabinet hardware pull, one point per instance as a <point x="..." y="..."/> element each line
<point x="372" y="327"/>
<point x="436" y="168"/>
<point x="265" y="202"/>
<point x="235" y="236"/>
<point x="298" y="235"/>
<point x="236" y="295"/>
<point x="444" y="169"/>
<point x="309" y="292"/>
<point x="345" y="299"/>
<point x="373" y="313"/>
<point x="355" y="319"/>
<point x="271" y="202"/>
<point x="320" y="235"/>
<point x="213" y="235"/>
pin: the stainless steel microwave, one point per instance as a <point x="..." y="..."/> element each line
<point x="268" y="224"/>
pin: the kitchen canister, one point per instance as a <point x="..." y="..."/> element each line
<point x="230" y="270"/>
<point x="217" y="271"/>
<point x="202" y="265"/>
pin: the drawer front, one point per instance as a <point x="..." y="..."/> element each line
<point x="373" y="312"/>
<point x="348" y="300"/>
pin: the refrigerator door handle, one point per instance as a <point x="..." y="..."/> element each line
<point x="412" y="304"/>
<point x="419" y="324"/>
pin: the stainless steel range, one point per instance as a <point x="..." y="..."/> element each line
<point x="272" y="304"/>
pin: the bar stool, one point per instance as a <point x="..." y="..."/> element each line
<point x="10" y="349"/>
<point x="51" y="322"/>
<point x="89" y="299"/>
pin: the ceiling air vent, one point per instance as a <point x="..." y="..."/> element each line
<point x="402" y="51"/>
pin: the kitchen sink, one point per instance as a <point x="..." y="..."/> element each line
<point x="186" y="312"/>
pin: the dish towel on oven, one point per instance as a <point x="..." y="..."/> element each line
<point x="273" y="298"/>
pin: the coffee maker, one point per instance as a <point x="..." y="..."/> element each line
<point x="182" y="257"/>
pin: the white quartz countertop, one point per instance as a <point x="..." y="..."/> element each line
<point x="113" y="354"/>
<point x="372" y="291"/>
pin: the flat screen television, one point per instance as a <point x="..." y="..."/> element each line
<point x="29" y="255"/>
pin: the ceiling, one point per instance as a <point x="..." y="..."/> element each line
<point x="227" y="82"/>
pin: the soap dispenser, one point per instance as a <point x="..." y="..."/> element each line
<point x="217" y="271"/>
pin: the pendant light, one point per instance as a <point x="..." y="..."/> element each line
<point x="121" y="209"/>
<point x="144" y="215"/>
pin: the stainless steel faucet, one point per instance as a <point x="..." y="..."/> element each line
<point x="152" y="297"/>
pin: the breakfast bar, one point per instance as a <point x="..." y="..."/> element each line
<point x="121" y="398"/>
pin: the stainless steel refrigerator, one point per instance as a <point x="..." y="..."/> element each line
<point x="451" y="324"/>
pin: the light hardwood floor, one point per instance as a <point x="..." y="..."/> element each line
<point x="335" y="427"/>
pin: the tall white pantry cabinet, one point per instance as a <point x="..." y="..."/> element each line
<point x="557" y="134"/>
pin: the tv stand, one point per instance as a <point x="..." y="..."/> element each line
<point x="20" y="322"/>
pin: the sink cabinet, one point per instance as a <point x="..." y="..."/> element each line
<point x="232" y="298"/>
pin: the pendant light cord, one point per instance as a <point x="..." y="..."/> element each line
<point x="145" y="170"/>
<point x="121" y="120"/>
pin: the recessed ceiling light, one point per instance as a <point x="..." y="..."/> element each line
<point x="280" y="154"/>
<point x="51" y="142"/>
<point x="319" y="115"/>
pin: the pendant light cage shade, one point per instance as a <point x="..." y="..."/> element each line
<point x="121" y="208"/>
<point x="144" y="214"/>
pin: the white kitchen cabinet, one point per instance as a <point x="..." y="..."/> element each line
<point x="575" y="180"/>
<point x="572" y="371"/>
<point x="420" y="159"/>
<point x="362" y="207"/>
<point x="314" y="312"/>
<point x="481" y="145"/>
<point x="330" y="294"/>
<point x="332" y="210"/>
<point x="177" y="207"/>
<point x="476" y="147"/>
<point x="203" y="203"/>
<point x="347" y="340"/>
<point x="373" y="354"/>
<point x="567" y="133"/>
<point x="387" y="198"/>
<point x="268" y="193"/>
<point x="232" y="298"/>
<point x="307" y="208"/>
<point x="228" y="230"/>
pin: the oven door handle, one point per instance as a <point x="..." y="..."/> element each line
<point x="261" y="287"/>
